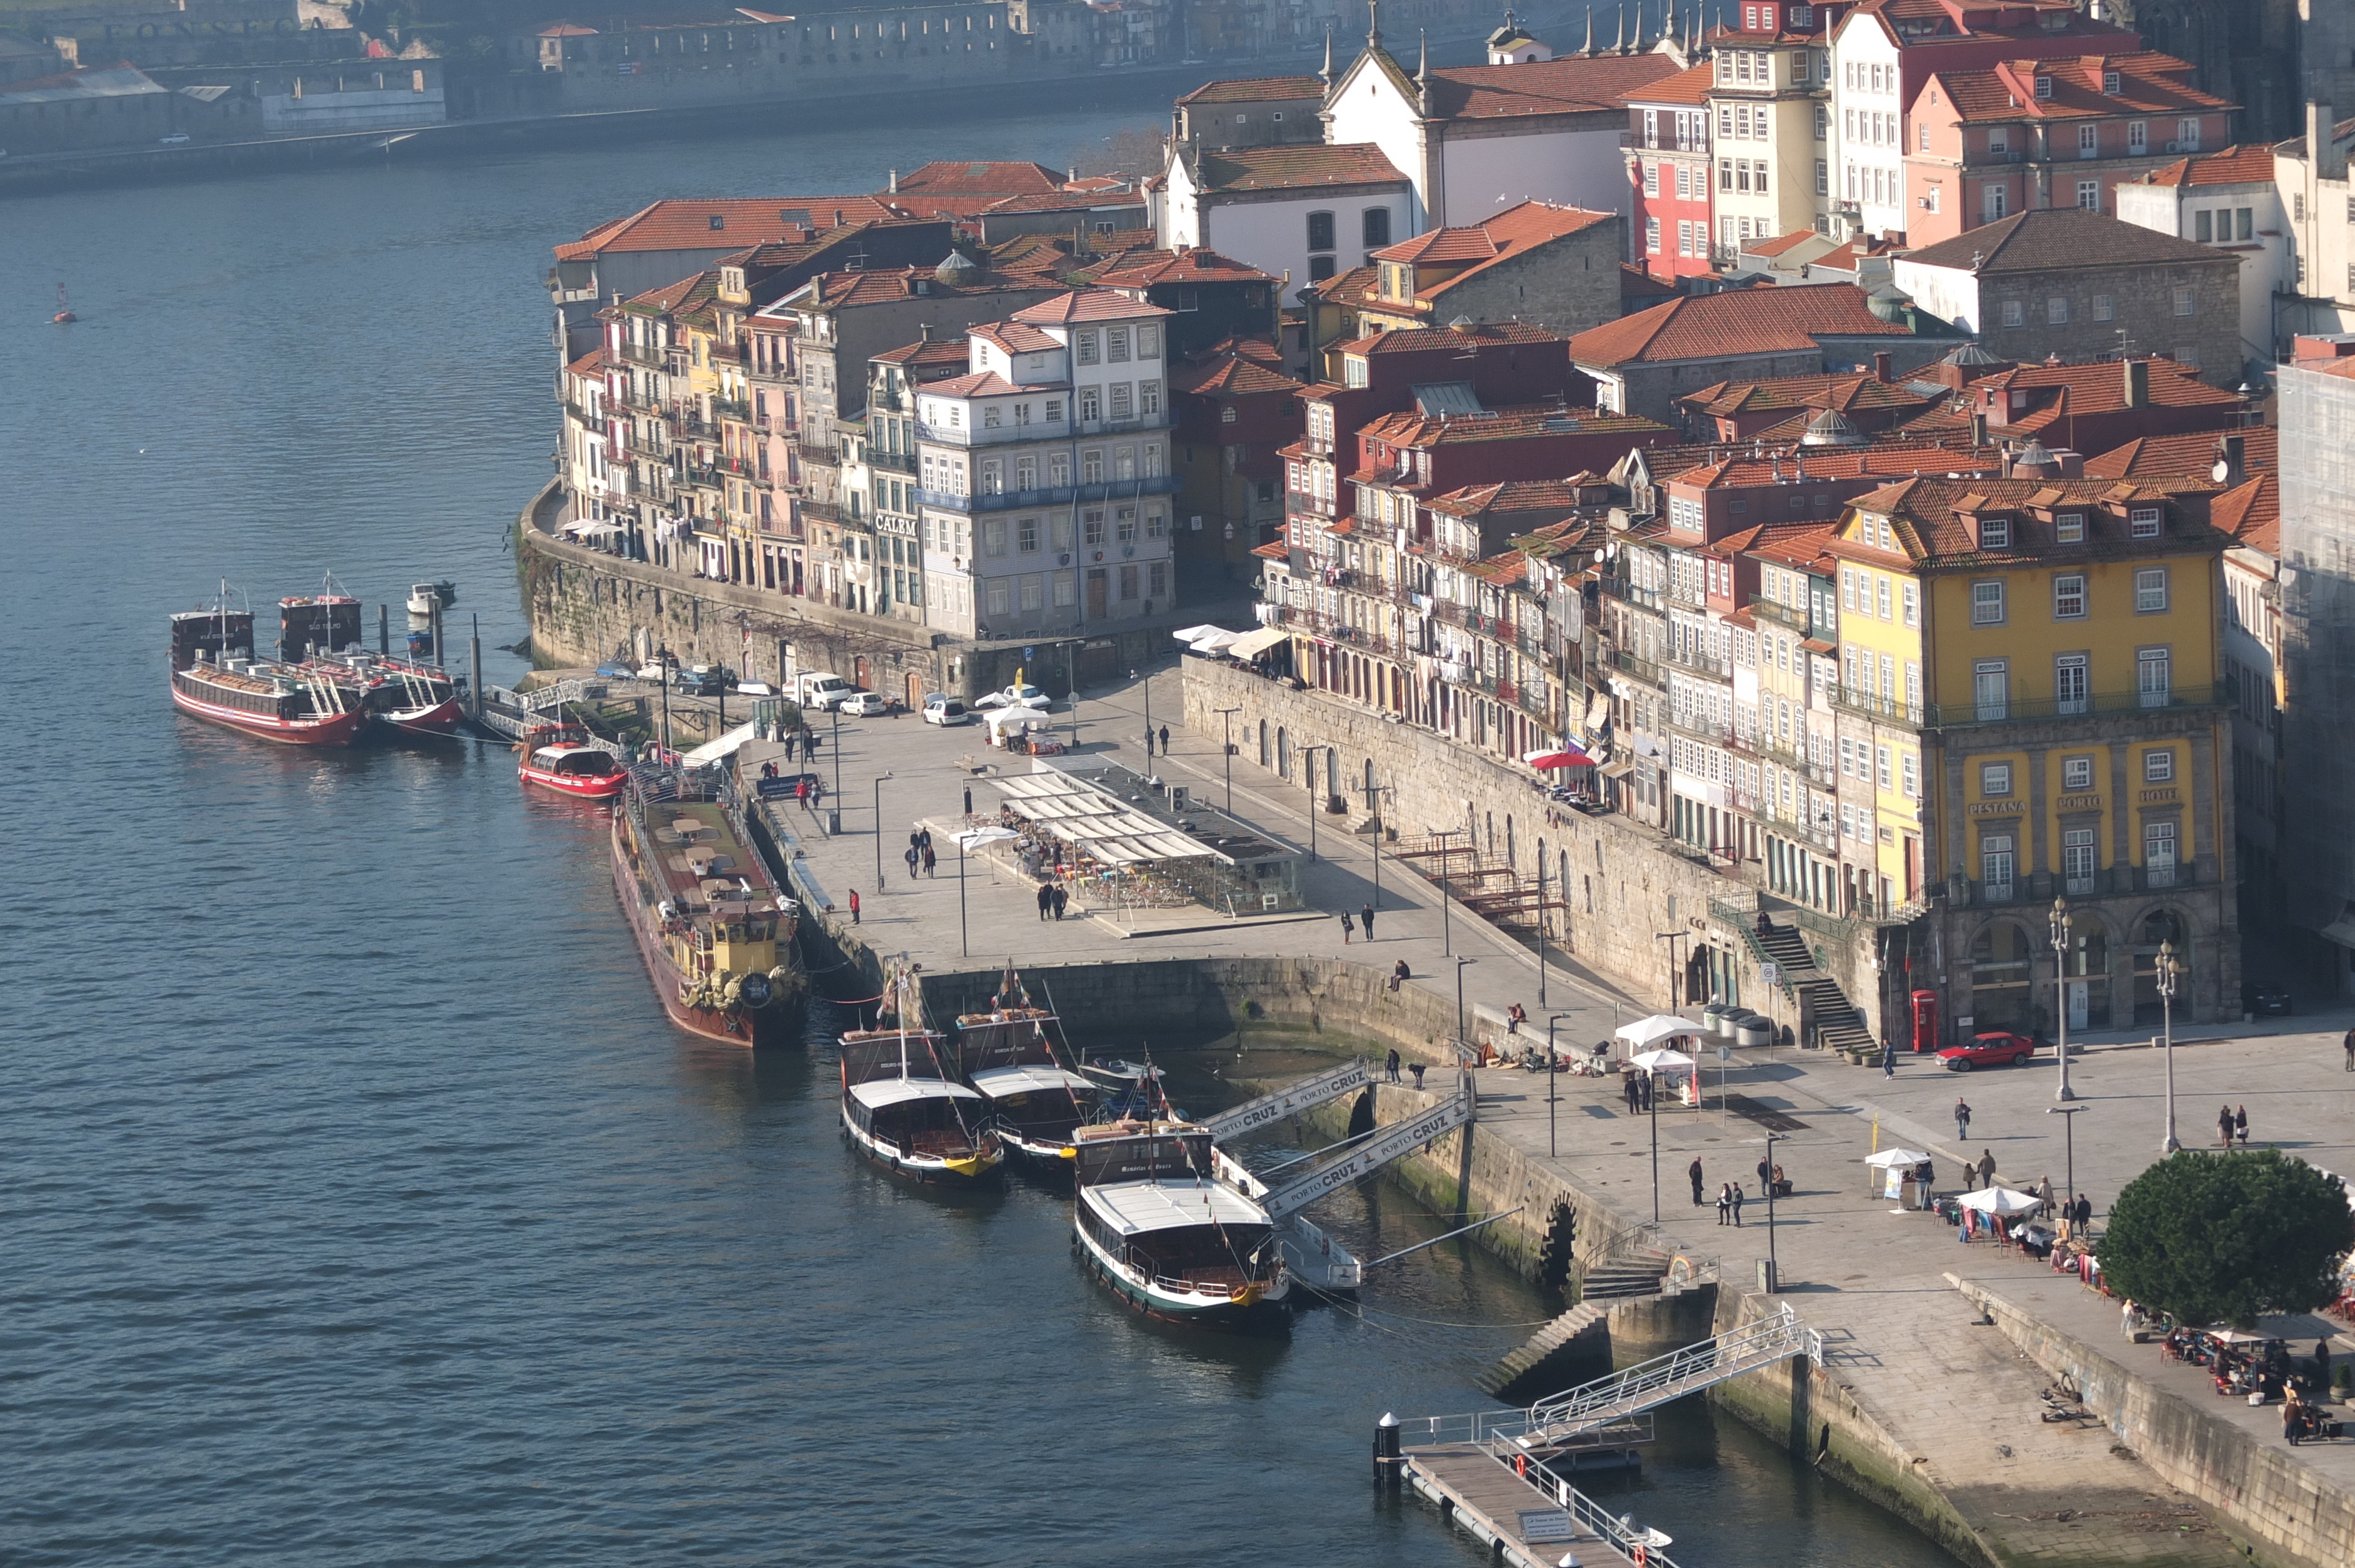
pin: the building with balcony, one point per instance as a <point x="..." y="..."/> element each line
<point x="1043" y="481"/>
<point x="879" y="521"/>
<point x="2031" y="134"/>
<point x="1769" y="97"/>
<point x="1670" y="175"/>
<point x="1553" y="267"/>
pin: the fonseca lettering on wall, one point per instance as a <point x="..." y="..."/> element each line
<point x="2157" y="796"/>
<point x="2078" y="803"/>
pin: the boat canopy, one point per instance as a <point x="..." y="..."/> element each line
<point x="1139" y="1206"/>
<point x="883" y="1092"/>
<point x="999" y="1082"/>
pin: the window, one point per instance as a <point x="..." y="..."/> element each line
<point x="2110" y="83"/>
<point x="1092" y="526"/>
<point x="2103" y="310"/>
<point x="1087" y="342"/>
<point x="989" y="417"/>
<point x="1930" y="199"/>
<point x="2056" y="309"/>
<point x="1375" y="225"/>
<point x="1925" y="137"/>
<point x="2187" y="135"/>
<point x="2142" y="522"/>
<point x="2154" y="669"/>
<point x="2069" y="597"/>
<point x="1149" y="340"/>
<point x="994" y="596"/>
<point x="1882" y="585"/>
<point x="1652" y="236"/>
<point x="2186" y="301"/>
<point x="1991" y="688"/>
<point x="1911" y="776"/>
<point x="1652" y="179"/>
<point x="2088" y="143"/>
<point x="1758" y="175"/>
<point x="1090" y="404"/>
<point x="1993" y="200"/>
<point x="1823" y="175"/>
<point x="1125" y="528"/>
<point x="1995" y="865"/>
<point x="1117" y="346"/>
<point x="1995" y="534"/>
<point x="2159" y="767"/>
<point x="2013" y="315"/>
<point x="1148" y="396"/>
<point x="2089" y="196"/>
<point x="2076" y="775"/>
<point x="1912" y="603"/>
<point x="993" y="537"/>
<point x="1848" y="588"/>
<point x="1054" y="410"/>
<point x="2137" y="137"/>
<point x="1026" y="534"/>
<point x="2203" y="227"/>
<point x="1320" y="268"/>
<point x="2070" y="676"/>
<point x="1320" y="231"/>
<point x="1881" y="776"/>
<point x="2043" y="87"/>
<point x="1034" y="591"/>
<point x="2077" y="860"/>
<point x="1994" y="778"/>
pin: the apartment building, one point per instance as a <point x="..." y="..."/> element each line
<point x="1672" y="176"/>
<point x="1769" y="98"/>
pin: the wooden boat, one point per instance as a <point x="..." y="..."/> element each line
<point x="1174" y="1242"/>
<point x="715" y="935"/>
<point x="415" y="698"/>
<point x="562" y="758"/>
<point x="1006" y="1055"/>
<point x="215" y="677"/>
<point x="901" y="1110"/>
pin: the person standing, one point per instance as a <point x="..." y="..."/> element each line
<point x="1766" y="1173"/>
<point x="1627" y="1091"/>
<point x="2224" y="1126"/>
<point x="2349" y="1045"/>
<point x="2241" y="1125"/>
<point x="1693" y="1171"/>
<point x="929" y="859"/>
<point x="1046" y="899"/>
<point x="1391" y="1065"/>
<point x="854" y="906"/>
<point x="1987" y="1168"/>
<point x="924" y="839"/>
<point x="1725" y="1203"/>
<point x="1164" y="741"/>
<point x="1347" y="928"/>
<point x="1737" y="1205"/>
<point x="1962" y="1119"/>
<point x="968" y="799"/>
<point x="2044" y="1197"/>
<point x="914" y="857"/>
<point x="2081" y="1215"/>
<point x="1651" y="1089"/>
<point x="1149" y="743"/>
<point x="1888" y="1061"/>
<point x="1365" y="918"/>
<point x="801" y="792"/>
<point x="1063" y="899"/>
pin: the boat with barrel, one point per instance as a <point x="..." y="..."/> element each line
<point x="215" y="677"/>
<point x="902" y="1111"/>
<point x="1156" y="1226"/>
<point x="562" y="758"/>
<point x="1006" y="1055"/>
<point x="716" y="934"/>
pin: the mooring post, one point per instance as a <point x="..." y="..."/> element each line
<point x="383" y="631"/>
<point x="1388" y="1465"/>
<point x="474" y="671"/>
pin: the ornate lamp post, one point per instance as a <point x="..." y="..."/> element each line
<point x="2167" y="969"/>
<point x="2061" y="990"/>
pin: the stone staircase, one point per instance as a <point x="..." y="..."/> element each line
<point x="1636" y="1271"/>
<point x="1525" y="1362"/>
<point x="1837" y="1024"/>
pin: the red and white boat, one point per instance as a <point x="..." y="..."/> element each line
<point x="414" y="698"/>
<point x="561" y="758"/>
<point x="215" y="677"/>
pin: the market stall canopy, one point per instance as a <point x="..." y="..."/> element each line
<point x="1216" y="641"/>
<point x="1557" y="757"/>
<point x="1251" y="644"/>
<point x="975" y="838"/>
<point x="1889" y="1157"/>
<point x="1188" y="634"/>
<point x="2000" y="1201"/>
<point x="1661" y="1061"/>
<point x="1000" y="720"/>
<point x="1096" y="821"/>
<point x="1660" y="1026"/>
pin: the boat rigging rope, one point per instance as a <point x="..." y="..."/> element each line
<point x="1362" y="1309"/>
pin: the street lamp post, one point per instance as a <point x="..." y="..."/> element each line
<point x="1459" y="995"/>
<point x="1446" y="849"/>
<point x="1773" y="1274"/>
<point x="2165" y="978"/>
<point x="2060" y="992"/>
<point x="1228" y="715"/>
<point x="1542" y="923"/>
<point x="1374" y="809"/>
<point x="2068" y="1115"/>
<point x="1652" y="1100"/>
<point x="878" y="828"/>
<point x="1553" y="1080"/>
<point x="1147" y="681"/>
<point x="964" y="941"/>
<point x="1308" y="770"/>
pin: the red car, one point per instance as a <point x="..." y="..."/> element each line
<point x="1997" y="1048"/>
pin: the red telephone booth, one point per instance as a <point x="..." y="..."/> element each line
<point x="1925" y="1021"/>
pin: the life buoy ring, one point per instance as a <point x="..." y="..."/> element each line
<point x="1521" y="1466"/>
<point x="1643" y="1554"/>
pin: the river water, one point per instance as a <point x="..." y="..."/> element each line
<point x="356" y="1203"/>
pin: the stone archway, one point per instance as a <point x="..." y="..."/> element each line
<point x="2162" y="923"/>
<point x="2003" y="978"/>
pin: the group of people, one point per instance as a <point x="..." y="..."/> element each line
<point x="1637" y="1089"/>
<point x="2231" y="1123"/>
<point x="1365" y="917"/>
<point x="1053" y="900"/>
<point x="919" y="851"/>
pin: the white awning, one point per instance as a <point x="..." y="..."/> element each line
<point x="881" y="1092"/>
<point x="2341" y="931"/>
<point x="1251" y="644"/>
<point x="1096" y="820"/>
<point x="1645" y="1032"/>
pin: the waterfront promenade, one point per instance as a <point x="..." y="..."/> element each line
<point x="1958" y="1396"/>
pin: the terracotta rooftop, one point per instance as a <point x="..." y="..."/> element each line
<point x="1516" y="228"/>
<point x="1779" y="243"/>
<point x="1235" y="374"/>
<point x="589" y="364"/>
<point x="673" y="298"/>
<point x="880" y="284"/>
<point x="1738" y="322"/>
<point x="1292" y="168"/>
<point x="1555" y="495"/>
<point x="1016" y="338"/>
<point x="1954" y="21"/>
<point x="1190" y="266"/>
<point x="1087" y="305"/>
<point x="2055" y="390"/>
<point x="953" y="177"/>
<point x="1686" y="87"/>
<point x="1886" y="461"/>
<point x="2148" y="83"/>
<point x="1570" y="85"/>
<point x="1845" y="393"/>
<point x="2250" y="513"/>
<point x="2046" y="239"/>
<point x="1424" y="340"/>
<point x="2242" y="165"/>
<point x="2186" y="453"/>
<point x="1412" y="430"/>
<point x="1928" y="516"/>
<point x="1108" y="199"/>
<point x="930" y="354"/>
<point x="979" y="383"/>
<point x="1256" y="90"/>
<point x="685" y="224"/>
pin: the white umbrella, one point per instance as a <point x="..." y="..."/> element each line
<point x="1661" y="1061"/>
<point x="1216" y="641"/>
<point x="1889" y="1157"/>
<point x="1188" y="634"/>
<point x="974" y="838"/>
<point x="1658" y="1027"/>
<point x="2000" y="1201"/>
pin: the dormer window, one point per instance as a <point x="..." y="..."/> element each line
<point x="1995" y="532"/>
<point x="2142" y="522"/>
<point x="2043" y="87"/>
<point x="2110" y="83"/>
<point x="2069" y="528"/>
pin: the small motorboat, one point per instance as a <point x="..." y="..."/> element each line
<point x="424" y="598"/>
<point x="65" y="315"/>
<point x="564" y="758"/>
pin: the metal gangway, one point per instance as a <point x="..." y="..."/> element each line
<point x="1292" y="1099"/>
<point x="1648" y="1385"/>
<point x="1385" y="1144"/>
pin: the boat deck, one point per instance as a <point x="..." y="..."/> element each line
<point x="1523" y="1520"/>
<point x="694" y="853"/>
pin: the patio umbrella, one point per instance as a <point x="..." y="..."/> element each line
<point x="974" y="838"/>
<point x="1557" y="757"/>
<point x="1660" y="1061"/>
<point x="2000" y="1201"/>
<point x="1660" y="1026"/>
<point x="1188" y="634"/>
<point x="1889" y="1157"/>
<point x="1216" y="641"/>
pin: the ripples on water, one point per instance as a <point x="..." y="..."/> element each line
<point x="358" y="1204"/>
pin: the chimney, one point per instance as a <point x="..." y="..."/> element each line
<point x="895" y="182"/>
<point x="1880" y="371"/>
<point x="2137" y="383"/>
<point x="1978" y="428"/>
<point x="2322" y="156"/>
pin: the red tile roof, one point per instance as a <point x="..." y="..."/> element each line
<point x="1412" y="430"/>
<point x="1571" y="85"/>
<point x="2045" y="240"/>
<point x="685" y="224"/>
<point x="1422" y="340"/>
<point x="1256" y="90"/>
<point x="1738" y="322"/>
<point x="1291" y="168"/>
<point x="589" y="364"/>
<point x="1842" y="392"/>
<point x="1686" y="87"/>
<point x="1890" y="459"/>
<point x="2055" y="390"/>
<point x="1928" y="516"/>
<point x="2250" y="513"/>
<point x="1087" y="305"/>
<point x="954" y="177"/>
<point x="929" y="353"/>
<point x="2242" y="166"/>
<point x="1108" y="200"/>
<point x="2188" y="453"/>
<point x="977" y="383"/>
<point x="1555" y="495"/>
<point x="1779" y="243"/>
<point x="2148" y="83"/>
<point x="1190" y="266"/>
<point x="1236" y="375"/>
<point x="1016" y="338"/>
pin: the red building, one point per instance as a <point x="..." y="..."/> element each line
<point x="1669" y="166"/>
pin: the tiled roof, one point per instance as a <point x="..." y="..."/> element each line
<point x="876" y="285"/>
<point x="1571" y="85"/>
<point x="979" y="383"/>
<point x="1844" y="260"/>
<point x="1842" y="392"/>
<point x="1800" y="544"/>
<point x="1353" y="287"/>
<point x="1888" y="460"/>
<point x="928" y="353"/>
<point x="1515" y="229"/>
<point x="1422" y="340"/>
<point x="1557" y="495"/>
<point x="1066" y="201"/>
<point x="589" y="364"/>
<point x="682" y="295"/>
<point x="567" y="30"/>
<point x="2055" y="390"/>
<point x="1779" y="243"/>
<point x="1686" y="87"/>
<point x="1088" y="305"/>
<point x="2186" y="453"/>
<point x="1291" y="168"/>
<point x="1930" y="528"/>
<point x="1951" y="21"/>
<point x="1256" y="90"/>
<point x="685" y="224"/>
<point x="2250" y="513"/>
<point x="1232" y="375"/>
<point x="1016" y="338"/>
<point x="953" y="177"/>
<point x="2148" y="83"/>
<point x="1738" y="322"/>
<point x="2242" y="165"/>
<point x="1520" y="423"/>
<point x="1190" y="266"/>
<point x="1441" y="244"/>
<point x="2045" y="240"/>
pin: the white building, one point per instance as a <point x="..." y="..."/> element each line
<point x="1298" y="212"/>
<point x="1043" y="474"/>
<point x="2229" y="200"/>
<point x="2320" y="203"/>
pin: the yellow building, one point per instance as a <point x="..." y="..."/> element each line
<point x="2030" y="711"/>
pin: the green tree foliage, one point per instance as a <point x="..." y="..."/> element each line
<point x="2222" y="1237"/>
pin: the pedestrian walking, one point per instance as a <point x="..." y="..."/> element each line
<point x="1888" y="1061"/>
<point x="854" y="906"/>
<point x="1693" y="1171"/>
<point x="913" y="857"/>
<point x="915" y="838"/>
<point x="2081" y="1214"/>
<point x="1737" y="1205"/>
<point x="2044" y="1197"/>
<point x="1046" y="899"/>
<point x="1063" y="899"/>
<point x="2349" y="1044"/>
<point x="1987" y="1168"/>
<point x="2224" y="1126"/>
<point x="1962" y="1119"/>
<point x="801" y="793"/>
<point x="1725" y="1203"/>
<point x="1392" y="1066"/>
<point x="1365" y="918"/>
<point x="1417" y="1071"/>
<point x="968" y="799"/>
<point x="1346" y="927"/>
<point x="1627" y="1091"/>
<point x="1651" y="1089"/>
<point x="929" y="860"/>
<point x="1149" y="743"/>
<point x="2241" y="1125"/>
<point x="1164" y="741"/>
<point x="924" y="839"/>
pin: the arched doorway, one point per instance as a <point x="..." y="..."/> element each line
<point x="2160" y="926"/>
<point x="2003" y="994"/>
<point x="2085" y="973"/>
<point x="1262" y="743"/>
<point x="1282" y="753"/>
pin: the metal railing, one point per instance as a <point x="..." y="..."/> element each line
<point x="2013" y="710"/>
<point x="1871" y="705"/>
<point x="1649" y="1384"/>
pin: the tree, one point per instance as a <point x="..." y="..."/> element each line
<point x="2222" y="1237"/>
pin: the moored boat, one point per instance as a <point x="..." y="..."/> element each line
<point x="1006" y="1055"/>
<point x="901" y="1110"/>
<point x="716" y="934"/>
<point x="1155" y="1223"/>
<point x="215" y="677"/>
<point x="562" y="758"/>
<point x="415" y="698"/>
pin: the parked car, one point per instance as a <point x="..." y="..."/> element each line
<point x="1020" y="696"/>
<point x="944" y="710"/>
<point x="1995" y="1048"/>
<point x="821" y="689"/>
<point x="867" y="704"/>
<point x="702" y="681"/>
<point x="176" y="139"/>
<point x="2265" y="998"/>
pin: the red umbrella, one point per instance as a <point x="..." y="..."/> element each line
<point x="1562" y="757"/>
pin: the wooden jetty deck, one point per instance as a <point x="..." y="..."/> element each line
<point x="1537" y="1520"/>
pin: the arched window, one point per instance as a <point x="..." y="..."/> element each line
<point x="2160" y="926"/>
<point x="1262" y="743"/>
<point x="1282" y="753"/>
<point x="2002" y="992"/>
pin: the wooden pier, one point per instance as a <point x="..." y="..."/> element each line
<point x="1534" y="1520"/>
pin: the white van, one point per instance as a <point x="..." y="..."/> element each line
<point x="821" y="689"/>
